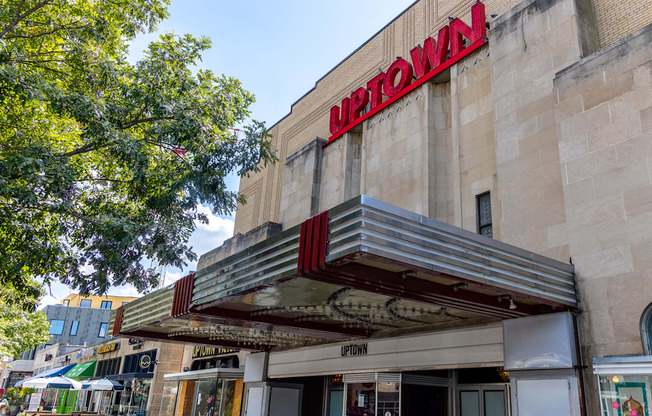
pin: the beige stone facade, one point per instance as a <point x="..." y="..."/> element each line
<point x="308" y="117"/>
<point x="553" y="117"/>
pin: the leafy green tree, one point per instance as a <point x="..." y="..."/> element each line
<point x="20" y="327"/>
<point x="103" y="162"/>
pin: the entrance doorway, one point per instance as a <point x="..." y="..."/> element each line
<point x="483" y="400"/>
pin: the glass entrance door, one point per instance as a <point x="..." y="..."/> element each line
<point x="483" y="400"/>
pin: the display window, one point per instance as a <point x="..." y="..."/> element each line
<point x="48" y="399"/>
<point x="133" y="400"/>
<point x="360" y="399"/>
<point x="208" y="393"/>
<point x="626" y="395"/>
<point x="186" y="397"/>
<point x="204" y="397"/>
<point x="169" y="398"/>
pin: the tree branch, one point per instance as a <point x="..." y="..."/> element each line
<point x="144" y="120"/>
<point x="85" y="149"/>
<point x="20" y="17"/>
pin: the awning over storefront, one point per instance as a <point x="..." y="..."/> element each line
<point x="360" y="268"/>
<point x="82" y="371"/>
<point x="212" y="373"/>
<point x="617" y="365"/>
<point x="53" y="372"/>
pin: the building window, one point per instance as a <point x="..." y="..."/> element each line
<point x="646" y="330"/>
<point x="103" y="327"/>
<point x="135" y="363"/>
<point x="106" y="304"/>
<point x="56" y="327"/>
<point x="65" y="302"/>
<point x="85" y="303"/>
<point x="108" y="367"/>
<point x="74" y="328"/>
<point x="484" y="215"/>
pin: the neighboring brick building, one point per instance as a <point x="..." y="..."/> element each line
<point x="537" y="133"/>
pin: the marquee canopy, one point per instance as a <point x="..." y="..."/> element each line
<point x="358" y="270"/>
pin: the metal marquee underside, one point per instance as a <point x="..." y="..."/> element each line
<point x="358" y="270"/>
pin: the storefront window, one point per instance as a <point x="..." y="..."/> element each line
<point x="133" y="400"/>
<point x="169" y="398"/>
<point x="87" y="401"/>
<point x="626" y="395"/>
<point x="106" y="404"/>
<point x="48" y="399"/>
<point x="360" y="399"/>
<point x="388" y="399"/>
<point x="418" y="399"/>
<point x="232" y="397"/>
<point x="186" y="396"/>
<point x="208" y="394"/>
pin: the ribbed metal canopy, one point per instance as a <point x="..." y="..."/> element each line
<point x="361" y="269"/>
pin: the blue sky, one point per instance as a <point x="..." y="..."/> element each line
<point x="278" y="49"/>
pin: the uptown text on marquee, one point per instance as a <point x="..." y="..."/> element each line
<point x="403" y="77"/>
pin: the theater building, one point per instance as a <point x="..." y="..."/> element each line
<point x="460" y="224"/>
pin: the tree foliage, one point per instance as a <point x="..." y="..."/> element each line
<point x="103" y="162"/>
<point x="20" y="327"/>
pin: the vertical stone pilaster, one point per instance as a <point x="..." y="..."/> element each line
<point x="529" y="44"/>
<point x="301" y="183"/>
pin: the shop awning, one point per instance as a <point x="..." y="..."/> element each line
<point x="53" y="372"/>
<point x="358" y="269"/>
<point x="82" y="371"/>
<point x="623" y="365"/>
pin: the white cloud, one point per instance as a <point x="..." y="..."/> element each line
<point x="126" y="290"/>
<point x="215" y="224"/>
<point x="47" y="300"/>
<point x="173" y="275"/>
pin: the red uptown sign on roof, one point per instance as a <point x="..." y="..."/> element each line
<point x="398" y="80"/>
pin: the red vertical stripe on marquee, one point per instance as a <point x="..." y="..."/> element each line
<point x="302" y="248"/>
<point x="117" y="323"/>
<point x="182" y="295"/>
<point x="313" y="242"/>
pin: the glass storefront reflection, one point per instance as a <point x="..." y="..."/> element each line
<point x="360" y="399"/>
<point x="208" y="393"/>
<point x="169" y="398"/>
<point x="204" y="397"/>
<point x="388" y="399"/>
<point x="133" y="399"/>
<point x="626" y="395"/>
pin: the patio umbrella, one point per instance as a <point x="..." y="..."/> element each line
<point x="59" y="382"/>
<point x="102" y="384"/>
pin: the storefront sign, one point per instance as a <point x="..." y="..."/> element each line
<point x="135" y="341"/>
<point x="145" y="361"/>
<point x="85" y="353"/>
<point x="203" y="352"/>
<point x="354" y="349"/>
<point x="34" y="401"/>
<point x="403" y="77"/>
<point x="108" y="348"/>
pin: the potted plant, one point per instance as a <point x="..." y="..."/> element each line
<point x="12" y="395"/>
